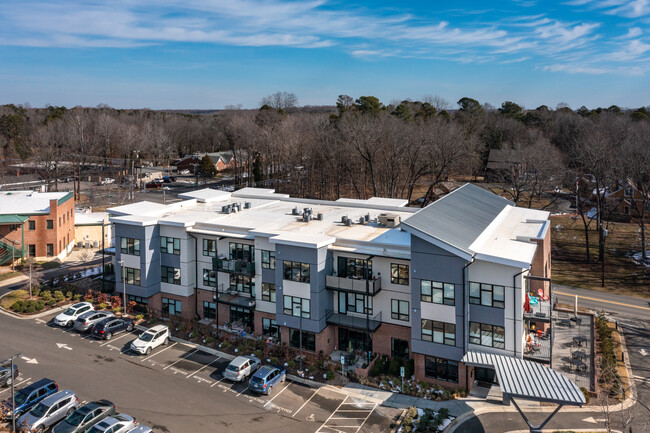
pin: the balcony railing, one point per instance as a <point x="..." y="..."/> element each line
<point x="231" y="296"/>
<point x="243" y="267"/>
<point x="353" y="285"/>
<point x="539" y="353"/>
<point x="540" y="312"/>
<point x="355" y="322"/>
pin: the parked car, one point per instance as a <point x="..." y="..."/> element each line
<point x="87" y="320"/>
<point x="29" y="396"/>
<point x="68" y="317"/>
<point x="107" y="181"/>
<point x="150" y="339"/>
<point x="153" y="184"/>
<point x="141" y="429"/>
<point x="121" y="423"/>
<point x="169" y="179"/>
<point x="48" y="412"/>
<point x="241" y="367"/>
<point x="184" y="172"/>
<point x="266" y="378"/>
<point x="6" y="378"/>
<point x="106" y="328"/>
<point x="85" y="417"/>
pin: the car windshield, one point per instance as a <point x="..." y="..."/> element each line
<point x="20" y="398"/>
<point x="39" y="410"/>
<point x="146" y="336"/>
<point x="70" y="312"/>
<point x="76" y="417"/>
<point x="256" y="379"/>
<point x="232" y="367"/>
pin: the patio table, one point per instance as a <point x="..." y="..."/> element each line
<point x="579" y="354"/>
<point x="578" y="364"/>
<point x="578" y="320"/>
<point x="565" y="322"/>
<point x="579" y="339"/>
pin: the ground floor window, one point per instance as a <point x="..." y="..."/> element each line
<point x="243" y="315"/>
<point x="351" y="340"/>
<point x="171" y="307"/>
<point x="441" y="369"/>
<point x="487" y="335"/>
<point x="140" y="303"/>
<point x="209" y="310"/>
<point x="399" y="348"/>
<point x="308" y="340"/>
<point x="270" y="328"/>
<point x="32" y="250"/>
<point x="50" y="250"/>
<point x="485" y="375"/>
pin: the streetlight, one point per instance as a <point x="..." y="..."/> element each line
<point x="300" y="315"/>
<point x="121" y="262"/>
<point x="13" y="393"/>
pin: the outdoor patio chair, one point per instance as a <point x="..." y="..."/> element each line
<point x="541" y="295"/>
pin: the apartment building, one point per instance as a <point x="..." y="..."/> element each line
<point x="362" y="275"/>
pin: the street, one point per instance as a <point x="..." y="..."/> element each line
<point x="178" y="388"/>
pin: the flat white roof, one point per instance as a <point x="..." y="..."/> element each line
<point x="82" y="218"/>
<point x="27" y="202"/>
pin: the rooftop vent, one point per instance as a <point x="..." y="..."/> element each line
<point x="389" y="219"/>
<point x="247" y="205"/>
<point x="294" y="211"/>
<point x="319" y="217"/>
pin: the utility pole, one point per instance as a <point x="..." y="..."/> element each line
<point x="13" y="390"/>
<point x="132" y="178"/>
<point x="123" y="283"/>
<point x="300" y="311"/>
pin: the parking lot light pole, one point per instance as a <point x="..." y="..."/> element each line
<point x="123" y="284"/>
<point x="300" y="312"/>
<point x="13" y="391"/>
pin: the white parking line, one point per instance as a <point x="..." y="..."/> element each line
<point x="281" y="391"/>
<point x="160" y="351"/>
<point x="243" y="391"/>
<point x="181" y="358"/>
<point x="364" y="421"/>
<point x="115" y="339"/>
<point x="16" y="385"/>
<point x="305" y="403"/>
<point x="206" y="365"/>
<point x="331" y="415"/>
<point x="217" y="382"/>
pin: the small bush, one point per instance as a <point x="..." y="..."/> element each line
<point x="117" y="309"/>
<point x="139" y="317"/>
<point x="585" y="391"/>
<point x="36" y="291"/>
<point x="51" y="302"/>
<point x="40" y="306"/>
<point x="329" y="375"/>
<point x="259" y="354"/>
<point x="68" y="295"/>
<point x="274" y="360"/>
<point x="379" y="367"/>
<point x="30" y="309"/>
<point x="77" y="297"/>
<point x="59" y="296"/>
<point x="394" y="366"/>
<point x="225" y="344"/>
<point x="17" y="305"/>
<point x="292" y="363"/>
<point x="46" y="295"/>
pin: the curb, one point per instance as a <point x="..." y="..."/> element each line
<point x="31" y="316"/>
<point x="398" y="424"/>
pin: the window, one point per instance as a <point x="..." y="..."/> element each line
<point x="242" y="252"/>
<point x="50" y="250"/>
<point x="59" y="245"/>
<point x="628" y="192"/>
<point x="209" y="310"/>
<point x="437" y="293"/>
<point x="270" y="328"/>
<point x="170" y="275"/>
<point x="268" y="292"/>
<point x="293" y="306"/>
<point x="441" y="369"/>
<point x="171" y="307"/>
<point x="209" y="278"/>
<point x="308" y="340"/>
<point x="354" y="268"/>
<point x="31" y="225"/>
<point x="487" y="294"/>
<point x="399" y="348"/>
<point x="268" y="259"/>
<point x="50" y="224"/>
<point x="242" y="283"/>
<point x="296" y="271"/>
<point x="399" y="274"/>
<point x="439" y="332"/>
<point x="132" y="276"/>
<point x="399" y="310"/>
<point x="63" y="218"/>
<point x="59" y="221"/>
<point x="170" y="245"/>
<point x="32" y="250"/>
<point x="358" y="303"/>
<point x="487" y="335"/>
<point x="130" y="246"/>
<point x="210" y="247"/>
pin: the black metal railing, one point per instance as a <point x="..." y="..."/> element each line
<point x="356" y="285"/>
<point x="239" y="266"/>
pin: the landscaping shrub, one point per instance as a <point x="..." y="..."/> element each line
<point x="51" y="302"/>
<point x="394" y="366"/>
<point x="30" y="309"/>
<point x="329" y="375"/>
<point x="68" y="295"/>
<point x="274" y="360"/>
<point x="36" y="291"/>
<point x="379" y="367"/>
<point x="40" y="305"/>
<point x="46" y="295"/>
<point x="586" y="393"/>
<point x="59" y="296"/>
<point x="17" y="305"/>
<point x="139" y="317"/>
<point x="102" y="306"/>
<point x="77" y="297"/>
<point x="608" y="365"/>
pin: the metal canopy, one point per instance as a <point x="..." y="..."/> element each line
<point x="527" y="379"/>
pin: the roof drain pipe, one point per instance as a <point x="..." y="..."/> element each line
<point x="514" y="309"/>
<point x="466" y="322"/>
<point x="196" y="277"/>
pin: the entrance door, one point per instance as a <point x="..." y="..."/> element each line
<point x="485" y="376"/>
<point x="354" y="340"/>
<point x="245" y="315"/>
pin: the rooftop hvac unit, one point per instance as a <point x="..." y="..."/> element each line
<point x="362" y="220"/>
<point x="294" y="211"/>
<point x="306" y="217"/>
<point x="348" y="222"/>
<point x="319" y="217"/>
<point x="389" y="219"/>
<point x="224" y="209"/>
<point x="247" y="205"/>
<point x="367" y="217"/>
<point x="343" y="218"/>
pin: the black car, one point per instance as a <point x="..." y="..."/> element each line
<point x="111" y="326"/>
<point x="85" y="417"/>
<point x="6" y="378"/>
<point x="169" y="179"/>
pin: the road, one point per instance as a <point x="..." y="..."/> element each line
<point x="616" y="305"/>
<point x="178" y="388"/>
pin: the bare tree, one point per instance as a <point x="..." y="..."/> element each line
<point x="284" y="101"/>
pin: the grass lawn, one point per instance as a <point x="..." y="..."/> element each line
<point x="7" y="275"/>
<point x="622" y="274"/>
<point x="50" y="265"/>
<point x="12" y="297"/>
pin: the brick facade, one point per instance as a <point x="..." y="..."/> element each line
<point x="327" y="339"/>
<point x="187" y="304"/>
<point x="382" y="338"/>
<point x="258" y="316"/>
<point x="465" y="375"/>
<point x="541" y="266"/>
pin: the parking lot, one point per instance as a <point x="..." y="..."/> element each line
<point x="321" y="410"/>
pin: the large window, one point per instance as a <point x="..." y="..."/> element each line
<point x="439" y="332"/>
<point x="399" y="274"/>
<point x="130" y="246"/>
<point x="242" y="283"/>
<point x="50" y="224"/>
<point x="308" y="340"/>
<point x="170" y="245"/>
<point x="132" y="276"/>
<point x="268" y="292"/>
<point x="487" y="294"/>
<point x="31" y="225"/>
<point x="140" y="303"/>
<point x="32" y="250"/>
<point x="296" y="271"/>
<point x="171" y="307"/>
<point x="441" y="369"/>
<point x="399" y="310"/>
<point x="209" y="310"/>
<point x="354" y="268"/>
<point x="170" y="275"/>
<point x="209" y="278"/>
<point x="268" y="259"/>
<point x="436" y="292"/>
<point x="487" y="335"/>
<point x="399" y="348"/>
<point x="270" y="328"/>
<point x="242" y="252"/>
<point x="293" y="306"/>
<point x="209" y="247"/>
<point x="358" y="303"/>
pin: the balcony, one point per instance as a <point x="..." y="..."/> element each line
<point x="231" y="296"/>
<point x="539" y="312"/>
<point x="353" y="322"/>
<point x="539" y="352"/>
<point x="353" y="285"/>
<point x="243" y="267"/>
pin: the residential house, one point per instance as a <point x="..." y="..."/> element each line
<point x="222" y="161"/>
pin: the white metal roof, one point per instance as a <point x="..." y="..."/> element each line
<point x="27" y="202"/>
<point x="527" y="379"/>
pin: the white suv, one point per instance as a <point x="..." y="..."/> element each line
<point x="150" y="339"/>
<point x="241" y="367"/>
<point x="68" y="317"/>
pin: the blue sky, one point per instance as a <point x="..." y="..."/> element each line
<point x="213" y="53"/>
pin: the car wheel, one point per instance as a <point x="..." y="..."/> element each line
<point x="166" y="342"/>
<point x="270" y="390"/>
<point x="108" y="336"/>
<point x="69" y="324"/>
<point x="9" y="380"/>
<point x="148" y="351"/>
<point x="39" y="429"/>
<point x="129" y="328"/>
<point x="69" y="412"/>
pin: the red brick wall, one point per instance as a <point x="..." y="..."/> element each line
<point x="381" y="338"/>
<point x="541" y="266"/>
<point x="204" y="295"/>
<point x="463" y="380"/>
<point x="326" y="340"/>
<point x="187" y="304"/>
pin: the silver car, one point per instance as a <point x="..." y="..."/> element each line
<point x="48" y="412"/>
<point x="121" y="423"/>
<point x="241" y="367"/>
<point x="141" y="429"/>
<point x="87" y="320"/>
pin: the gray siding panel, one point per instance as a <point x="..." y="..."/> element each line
<point x="439" y="350"/>
<point x="487" y="315"/>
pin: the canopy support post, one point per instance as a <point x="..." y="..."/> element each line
<point x="533" y="428"/>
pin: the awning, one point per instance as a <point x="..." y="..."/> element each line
<point x="527" y="379"/>
<point x="13" y="219"/>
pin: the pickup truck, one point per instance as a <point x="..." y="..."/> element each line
<point x="107" y="181"/>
